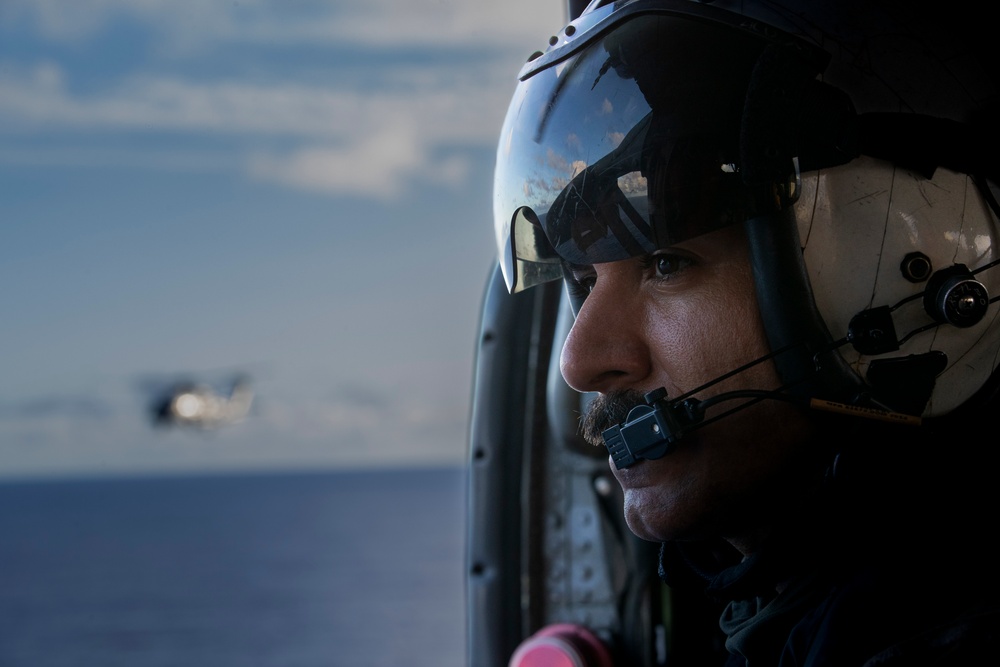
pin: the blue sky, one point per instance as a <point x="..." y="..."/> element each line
<point x="297" y="190"/>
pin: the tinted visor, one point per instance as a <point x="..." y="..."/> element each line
<point x="627" y="144"/>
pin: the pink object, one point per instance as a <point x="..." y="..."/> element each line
<point x="562" y="645"/>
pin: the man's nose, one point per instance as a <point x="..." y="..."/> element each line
<point x="606" y="349"/>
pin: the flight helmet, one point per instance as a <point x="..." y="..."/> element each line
<point x="855" y="141"/>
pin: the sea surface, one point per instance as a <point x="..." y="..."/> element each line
<point x="348" y="569"/>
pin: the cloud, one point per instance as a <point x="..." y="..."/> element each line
<point x="365" y="425"/>
<point x="336" y="171"/>
<point x="444" y="101"/>
<point x="377" y="166"/>
<point x="57" y="406"/>
<point x="386" y="23"/>
<point x="374" y="141"/>
<point x="354" y="424"/>
<point x="40" y="97"/>
<point x="427" y="81"/>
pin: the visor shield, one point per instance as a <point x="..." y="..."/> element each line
<point x="629" y="144"/>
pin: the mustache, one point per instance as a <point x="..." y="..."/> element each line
<point x="608" y="410"/>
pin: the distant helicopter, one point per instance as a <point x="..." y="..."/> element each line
<point x="200" y="405"/>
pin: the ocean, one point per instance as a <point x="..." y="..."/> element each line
<point x="349" y="569"/>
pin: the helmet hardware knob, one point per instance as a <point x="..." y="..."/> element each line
<point x="953" y="296"/>
<point x="916" y="267"/>
<point x="873" y="332"/>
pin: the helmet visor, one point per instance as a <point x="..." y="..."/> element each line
<point x="628" y="144"/>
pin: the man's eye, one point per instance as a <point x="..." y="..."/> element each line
<point x="665" y="265"/>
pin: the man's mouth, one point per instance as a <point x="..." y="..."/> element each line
<point x="608" y="410"/>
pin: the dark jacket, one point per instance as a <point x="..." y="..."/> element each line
<point x="892" y="563"/>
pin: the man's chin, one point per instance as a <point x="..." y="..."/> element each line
<point x="655" y="507"/>
<point x="644" y="523"/>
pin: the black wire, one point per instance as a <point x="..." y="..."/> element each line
<point x="926" y="327"/>
<point x="738" y="370"/>
<point x="757" y="395"/>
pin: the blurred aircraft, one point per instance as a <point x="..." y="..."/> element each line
<point x="202" y="405"/>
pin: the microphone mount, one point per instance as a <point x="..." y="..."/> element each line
<point x="651" y="431"/>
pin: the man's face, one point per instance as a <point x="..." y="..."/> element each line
<point x="679" y="319"/>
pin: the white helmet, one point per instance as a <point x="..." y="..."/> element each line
<point x="854" y="141"/>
